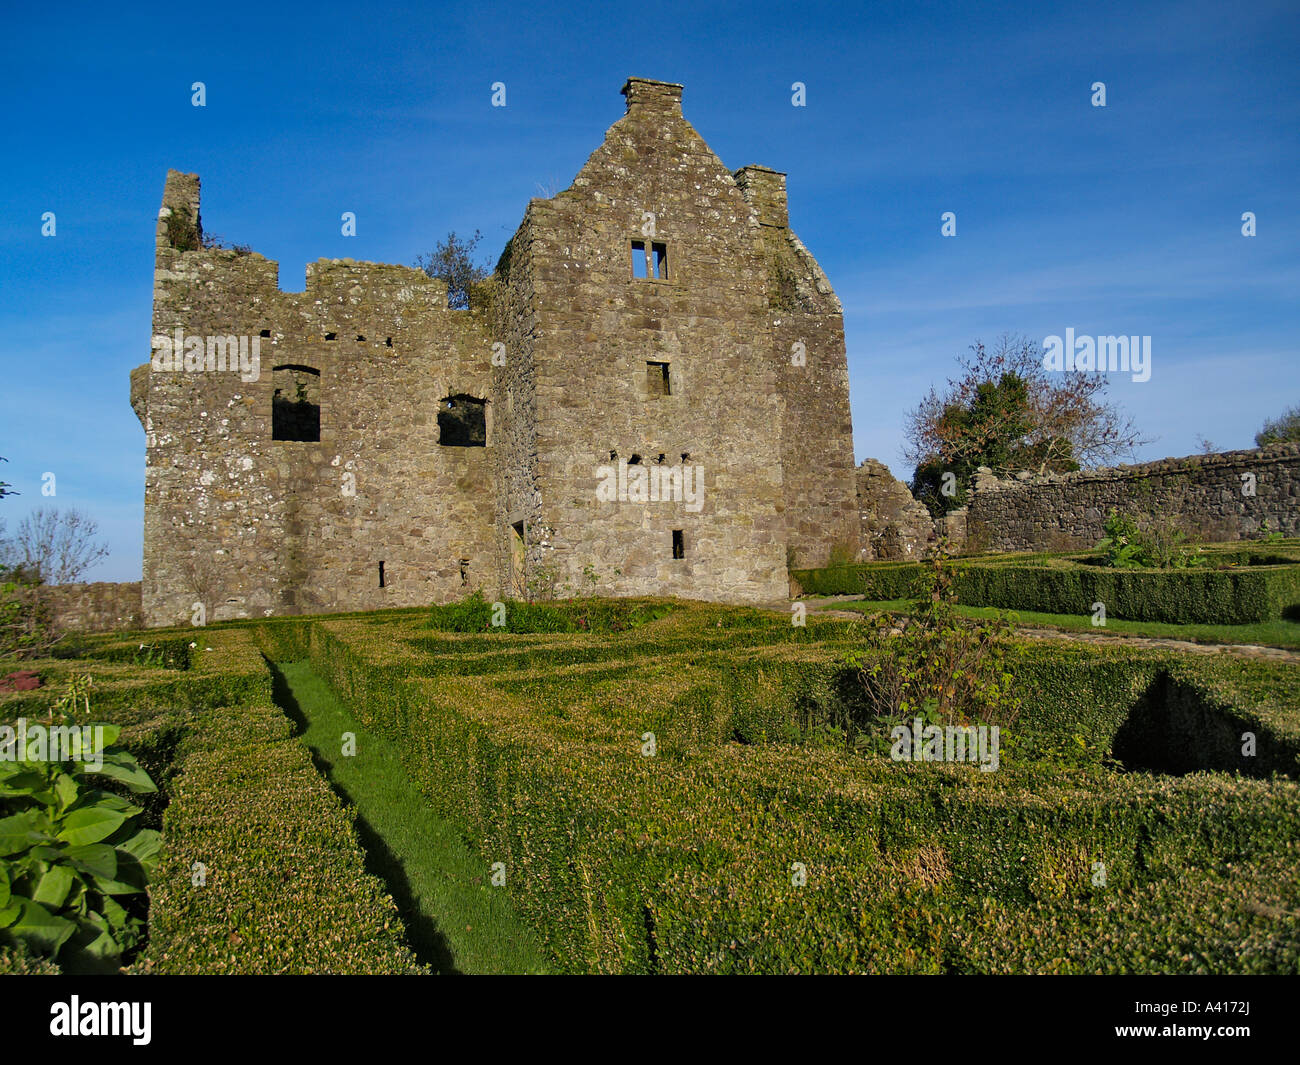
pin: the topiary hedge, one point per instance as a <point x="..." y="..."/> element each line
<point x="261" y="871"/>
<point x="713" y="855"/>
<point x="1182" y="596"/>
<point x="284" y="883"/>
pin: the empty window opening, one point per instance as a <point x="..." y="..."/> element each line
<point x="657" y="380"/>
<point x="331" y="336"/>
<point x="660" y="459"/>
<point x="635" y="460"/>
<point x="464" y="571"/>
<point x="381" y="574"/>
<point x="266" y="332"/>
<point x="659" y="260"/>
<point x="295" y="403"/>
<point x="361" y="339"/>
<point x="613" y="456"/>
<point x="518" y="560"/>
<point x="462" y="422"/>
<point x="388" y="342"/>
<point x="640" y="261"/>
<point x="679" y="544"/>
<point x="686" y="456"/>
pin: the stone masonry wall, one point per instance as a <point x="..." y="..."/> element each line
<point x="98" y="607"/>
<point x="894" y="526"/>
<point x="1225" y="496"/>
<point x="520" y="556"/>
<point x="600" y="326"/>
<point x="563" y="352"/>
<point x="808" y="352"/>
<point x="251" y="526"/>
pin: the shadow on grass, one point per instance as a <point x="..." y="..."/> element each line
<point x="428" y="944"/>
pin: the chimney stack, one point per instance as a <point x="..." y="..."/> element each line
<point x="764" y="190"/>
<point x="660" y="97"/>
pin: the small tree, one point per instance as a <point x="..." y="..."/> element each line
<point x="1007" y="412"/>
<point x="56" y="546"/>
<point x="1285" y="428"/>
<point x="49" y="547"/>
<point x="934" y="664"/>
<point x="452" y="261"/>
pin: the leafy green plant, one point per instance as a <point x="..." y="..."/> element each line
<point x="182" y="234"/>
<point x="936" y="665"/>
<point x="1268" y="535"/>
<point x="1166" y="548"/>
<point x="74" y="863"/>
<point x="1122" y="548"/>
<point x="1162" y="546"/>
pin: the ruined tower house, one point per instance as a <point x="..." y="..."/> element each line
<point x="385" y="450"/>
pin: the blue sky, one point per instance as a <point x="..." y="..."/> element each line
<point x="1124" y="219"/>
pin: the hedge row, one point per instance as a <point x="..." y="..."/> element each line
<point x="224" y="669"/>
<point x="1183" y="597"/>
<point x="686" y="861"/>
<point x="283" y="882"/>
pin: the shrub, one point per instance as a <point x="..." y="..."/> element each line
<point x="938" y="666"/>
<point x="73" y="861"/>
<point x="26" y="626"/>
<point x="475" y="614"/>
<point x="261" y="871"/>
<point x="1177" y="596"/>
<point x="1162" y="546"/>
<point x="683" y="861"/>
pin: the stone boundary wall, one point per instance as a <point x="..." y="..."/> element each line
<point x="1224" y="496"/>
<point x="98" y="607"/>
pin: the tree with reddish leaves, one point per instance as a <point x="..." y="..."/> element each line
<point x="1006" y="411"/>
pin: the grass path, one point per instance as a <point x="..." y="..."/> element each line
<point x="456" y="921"/>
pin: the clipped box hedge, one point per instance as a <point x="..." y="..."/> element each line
<point x="682" y="862"/>
<point x="1180" y="596"/>
<point x="286" y="890"/>
<point x="285" y="886"/>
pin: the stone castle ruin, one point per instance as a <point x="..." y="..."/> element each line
<point x="649" y="396"/>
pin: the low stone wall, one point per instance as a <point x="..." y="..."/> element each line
<point x="1224" y="496"/>
<point x="98" y="607"/>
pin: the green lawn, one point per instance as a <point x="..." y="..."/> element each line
<point x="456" y="920"/>
<point x="1275" y="633"/>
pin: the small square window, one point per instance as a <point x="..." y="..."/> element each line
<point x="657" y="379"/>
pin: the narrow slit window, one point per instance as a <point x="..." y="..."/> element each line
<point x="679" y="544"/>
<point x="640" y="261"/>
<point x="381" y="574"/>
